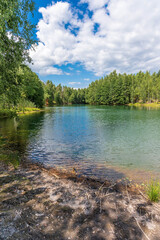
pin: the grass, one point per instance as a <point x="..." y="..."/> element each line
<point x="153" y="191"/>
<point x="152" y="105"/>
<point x="23" y="106"/>
<point x="10" y="158"/>
<point x="8" y="113"/>
<point x="29" y="110"/>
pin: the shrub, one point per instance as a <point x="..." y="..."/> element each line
<point x="153" y="191"/>
<point x="23" y="104"/>
<point x="7" y="113"/>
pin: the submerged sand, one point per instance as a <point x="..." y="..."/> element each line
<point x="36" y="203"/>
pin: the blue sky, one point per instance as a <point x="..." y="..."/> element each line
<point x="81" y="41"/>
<point x="78" y="76"/>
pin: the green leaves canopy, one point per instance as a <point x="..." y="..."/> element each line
<point x="16" y="38"/>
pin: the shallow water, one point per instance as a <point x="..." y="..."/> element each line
<point x="88" y="138"/>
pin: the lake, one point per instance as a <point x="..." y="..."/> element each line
<point x="97" y="141"/>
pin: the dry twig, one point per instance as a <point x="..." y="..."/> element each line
<point x="141" y="229"/>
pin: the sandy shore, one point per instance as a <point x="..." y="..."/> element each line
<point x="36" y="203"/>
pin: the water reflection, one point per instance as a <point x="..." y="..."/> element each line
<point x="90" y="138"/>
<point x="15" y="135"/>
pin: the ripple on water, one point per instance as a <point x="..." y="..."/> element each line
<point x="99" y="141"/>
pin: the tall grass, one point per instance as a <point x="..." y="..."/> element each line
<point x="8" y="110"/>
<point x="153" y="191"/>
<point x="23" y="104"/>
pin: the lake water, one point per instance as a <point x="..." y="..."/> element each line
<point x="92" y="139"/>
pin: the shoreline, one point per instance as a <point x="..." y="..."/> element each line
<point x="146" y="105"/>
<point x="122" y="174"/>
<point x="119" y="185"/>
<point x="40" y="203"/>
<point x="8" y="113"/>
<point x="32" y="111"/>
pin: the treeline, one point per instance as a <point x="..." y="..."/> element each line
<point x="113" y="89"/>
<point x="31" y="92"/>
<point x="62" y="95"/>
<point x="120" y="89"/>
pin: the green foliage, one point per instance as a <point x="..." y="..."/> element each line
<point x="120" y="89"/>
<point x="16" y="37"/>
<point x="10" y="158"/>
<point x="19" y="86"/>
<point x="31" y="88"/>
<point x="113" y="89"/>
<point x="49" y="92"/>
<point x="62" y="95"/>
<point x="7" y="113"/>
<point x="29" y="93"/>
<point x="23" y="104"/>
<point x="153" y="191"/>
<point x="16" y="30"/>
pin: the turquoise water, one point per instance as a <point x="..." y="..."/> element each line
<point x="89" y="138"/>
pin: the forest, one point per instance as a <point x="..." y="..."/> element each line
<point x="124" y="88"/>
<point x="21" y="88"/>
<point x="113" y="89"/>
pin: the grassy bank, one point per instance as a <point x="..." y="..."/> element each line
<point x="148" y="105"/>
<point x="29" y="110"/>
<point x="9" y="113"/>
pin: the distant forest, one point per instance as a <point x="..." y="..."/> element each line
<point x="113" y="89"/>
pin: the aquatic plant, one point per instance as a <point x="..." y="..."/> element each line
<point x="153" y="191"/>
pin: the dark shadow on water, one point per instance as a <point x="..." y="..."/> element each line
<point x="103" y="173"/>
<point x="93" y="173"/>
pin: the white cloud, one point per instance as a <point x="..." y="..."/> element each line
<point x="73" y="83"/>
<point x="95" y="4"/>
<point x="86" y="79"/>
<point x="50" y="71"/>
<point x="128" y="38"/>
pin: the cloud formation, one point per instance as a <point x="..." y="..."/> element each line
<point x="122" y="35"/>
<point x="95" y="4"/>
